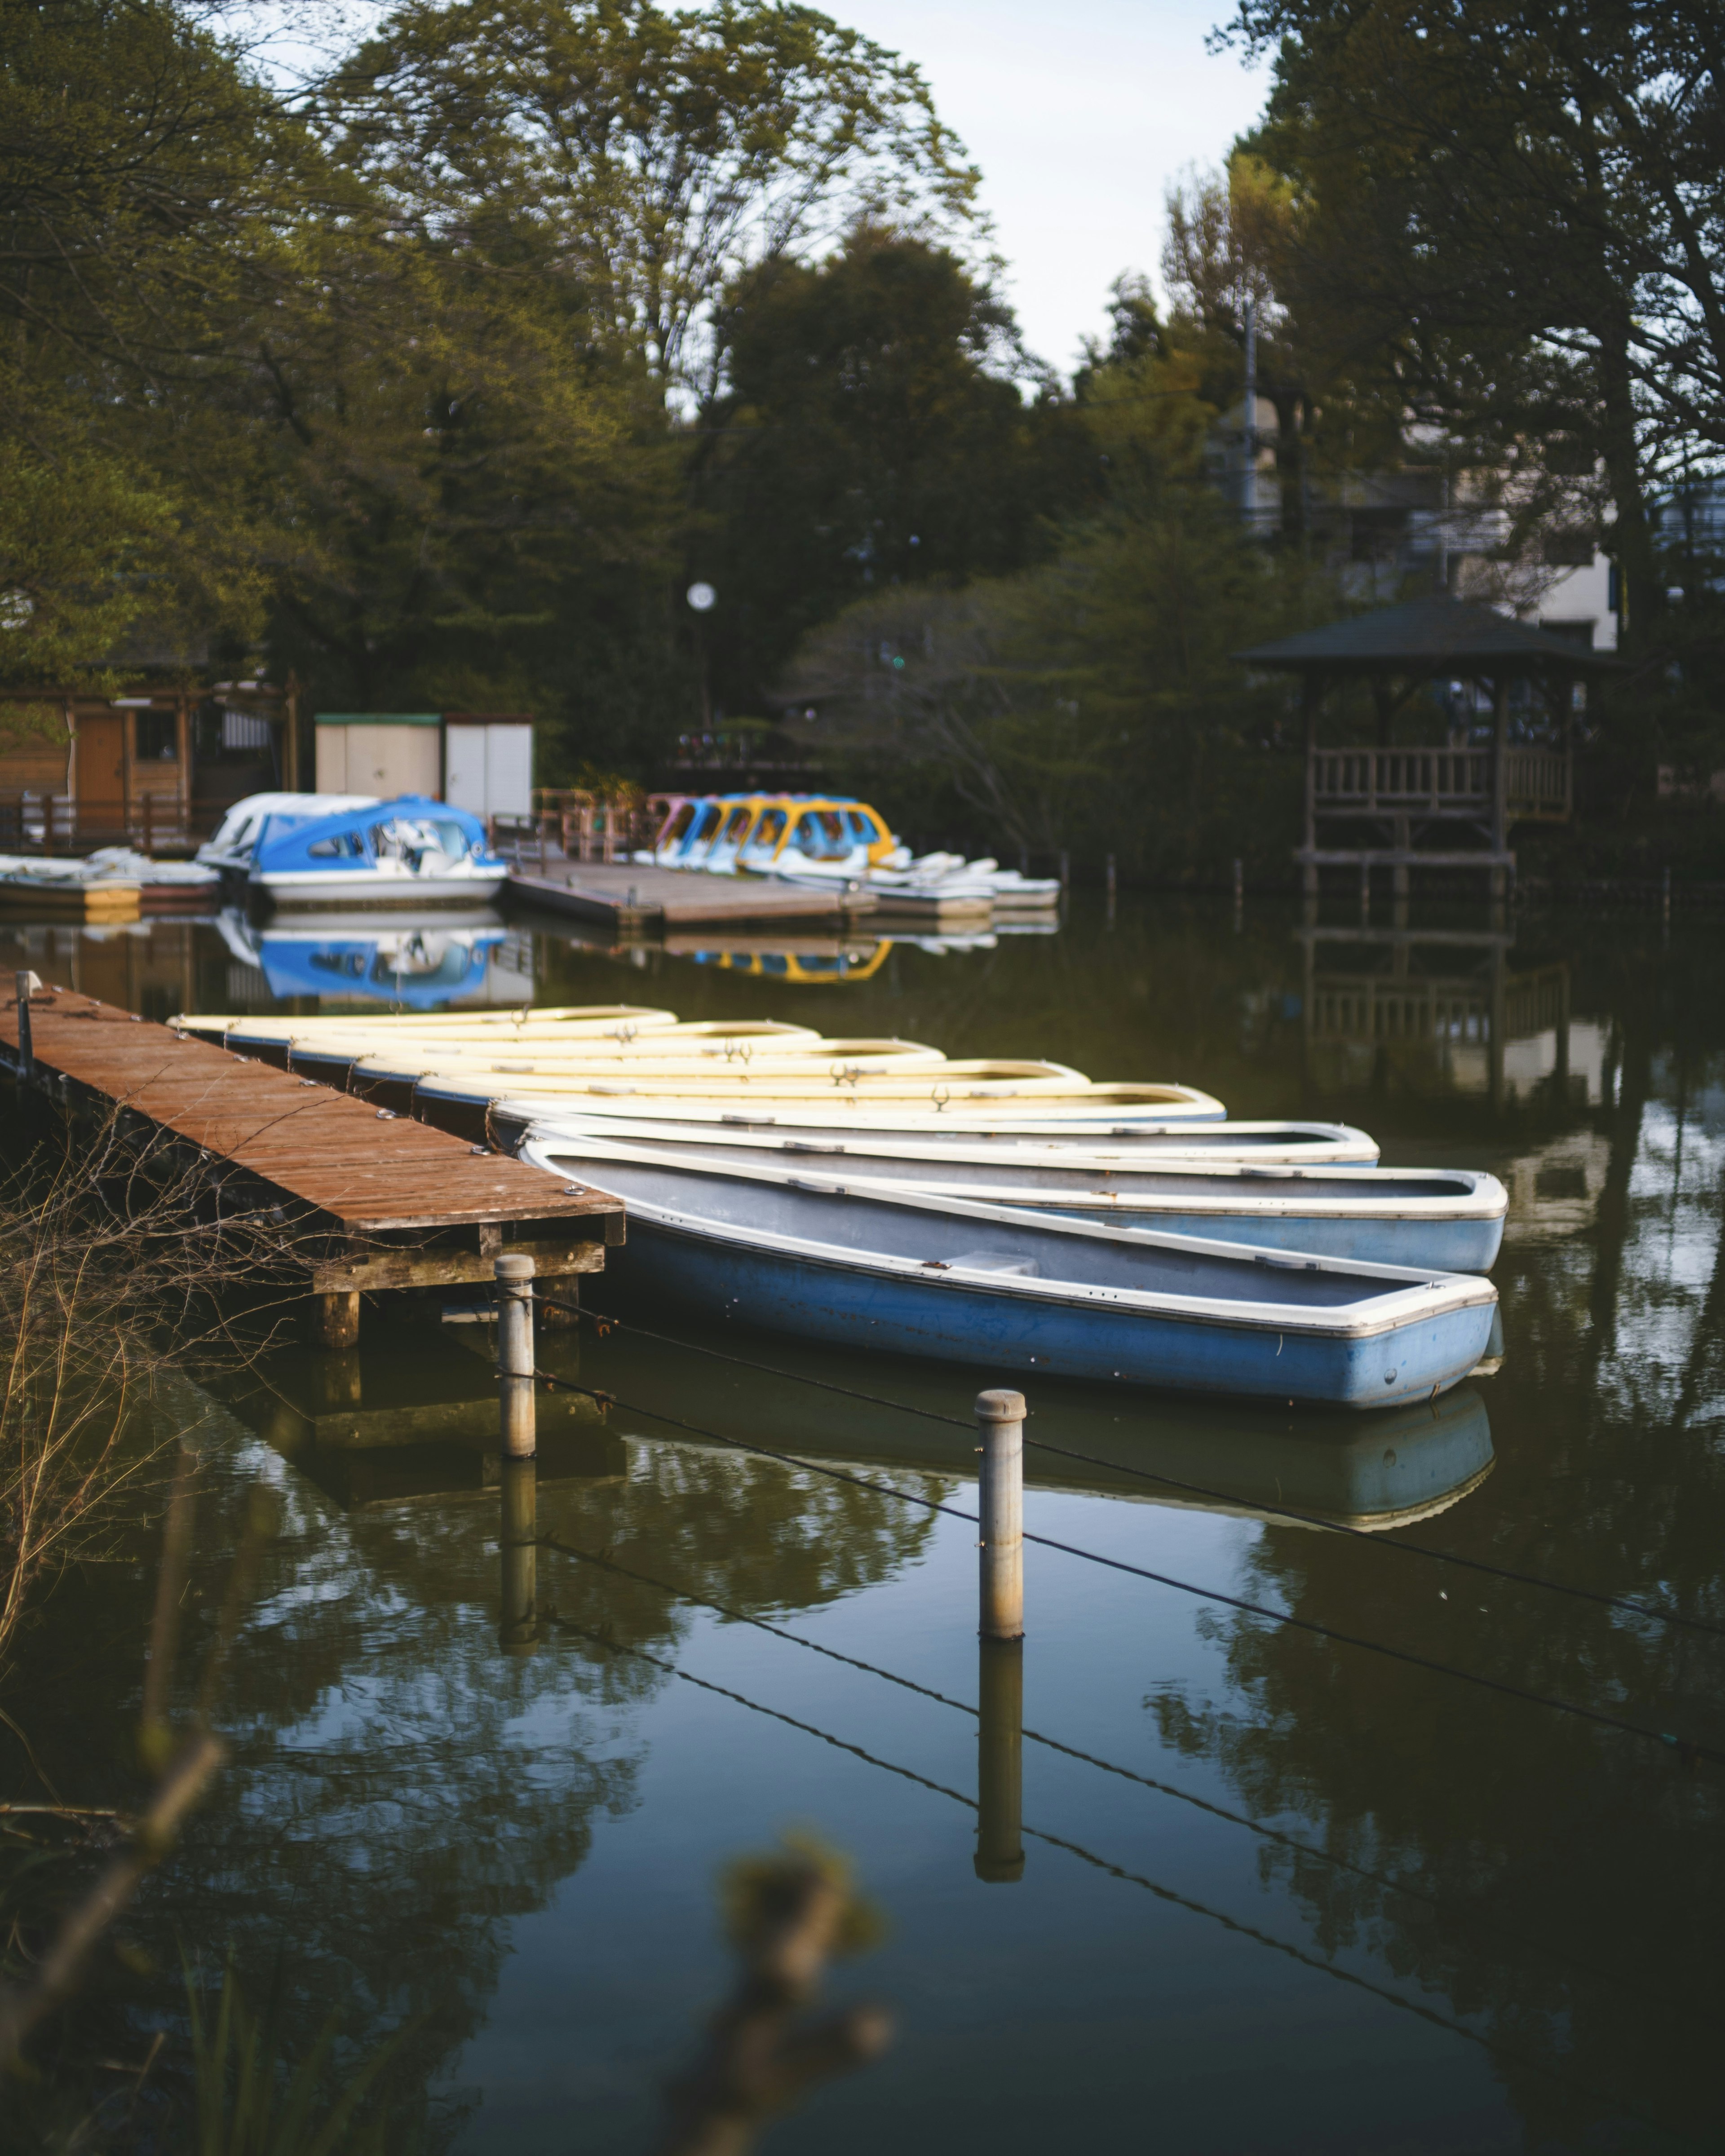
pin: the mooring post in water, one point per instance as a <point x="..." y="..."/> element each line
<point x="1000" y="1514"/>
<point x="1001" y="1761"/>
<point x="515" y="1357"/>
<point x="1110" y="886"/>
<point x="519" y="1630"/>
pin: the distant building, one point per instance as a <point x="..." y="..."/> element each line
<point x="1424" y="526"/>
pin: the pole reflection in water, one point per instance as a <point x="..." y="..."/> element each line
<point x="518" y="1495"/>
<point x="1001" y="1761"/>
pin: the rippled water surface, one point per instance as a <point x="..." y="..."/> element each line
<point x="1300" y="1895"/>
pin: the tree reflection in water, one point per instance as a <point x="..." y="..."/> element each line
<point x="401" y="1789"/>
<point x="1580" y="1874"/>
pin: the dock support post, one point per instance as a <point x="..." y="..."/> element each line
<point x="518" y="1631"/>
<point x="515" y="1357"/>
<point x="1000" y="1514"/>
<point x="24" y="986"/>
<point x="1111" y="889"/>
<point x="337" y="1321"/>
<point x="1001" y="1761"/>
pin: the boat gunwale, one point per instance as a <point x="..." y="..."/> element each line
<point x="1475" y="1205"/>
<point x="535" y="1112"/>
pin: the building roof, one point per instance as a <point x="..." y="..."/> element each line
<point x="1426" y="636"/>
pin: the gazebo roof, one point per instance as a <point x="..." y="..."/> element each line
<point x="1426" y="636"/>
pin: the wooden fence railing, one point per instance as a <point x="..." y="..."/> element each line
<point x="44" y="822"/>
<point x="1440" y="782"/>
<point x="596" y="830"/>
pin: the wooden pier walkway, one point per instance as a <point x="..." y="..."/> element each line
<point x="384" y="1202"/>
<point x="623" y="896"/>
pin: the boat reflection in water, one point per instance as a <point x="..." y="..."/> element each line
<point x="1382" y="1471"/>
<point x="414" y="965"/>
<point x="413" y="1416"/>
<point x="811" y="962"/>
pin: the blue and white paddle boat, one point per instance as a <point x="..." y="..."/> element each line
<point x="229" y="848"/>
<point x="1448" y="1219"/>
<point x="409" y="852"/>
<point x="944" y="1277"/>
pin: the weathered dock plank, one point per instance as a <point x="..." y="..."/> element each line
<point x="397" y="1203"/>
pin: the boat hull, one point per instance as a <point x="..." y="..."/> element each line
<point x="367" y="890"/>
<point x="956" y="1320"/>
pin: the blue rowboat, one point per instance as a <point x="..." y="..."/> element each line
<point x="948" y="1279"/>
<point x="1449" y="1220"/>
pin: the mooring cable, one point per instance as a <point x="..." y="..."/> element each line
<point x="1162" y="1893"/>
<point x="605" y="1562"/>
<point x="601" y="1320"/>
<point x="1687" y="1749"/>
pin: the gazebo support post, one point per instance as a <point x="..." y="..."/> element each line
<point x="1312" y="695"/>
<point x="1500" y="781"/>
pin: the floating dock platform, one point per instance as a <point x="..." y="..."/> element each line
<point x="377" y="1201"/>
<point x="621" y="896"/>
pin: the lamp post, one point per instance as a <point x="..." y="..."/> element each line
<point x="703" y="599"/>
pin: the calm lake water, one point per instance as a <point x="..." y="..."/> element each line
<point x="1364" y="1906"/>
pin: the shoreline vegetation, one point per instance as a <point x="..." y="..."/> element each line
<point x="440" y="372"/>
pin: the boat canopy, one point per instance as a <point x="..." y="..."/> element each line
<point x="423" y="834"/>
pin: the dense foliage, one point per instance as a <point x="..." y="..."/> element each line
<point x="441" y="378"/>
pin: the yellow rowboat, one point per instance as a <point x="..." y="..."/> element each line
<point x="390" y="1079"/>
<point x="282" y="1042"/>
<point x="464" y="1102"/>
<point x="600" y="1016"/>
<point x="720" y="1055"/>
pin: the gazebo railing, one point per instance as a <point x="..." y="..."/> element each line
<point x="1440" y="782"/>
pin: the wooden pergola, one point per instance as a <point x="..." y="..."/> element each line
<point x="1421" y="798"/>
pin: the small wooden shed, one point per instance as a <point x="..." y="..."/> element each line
<point x="479" y="761"/>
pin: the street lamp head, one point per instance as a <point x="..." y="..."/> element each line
<point x="702" y="597"/>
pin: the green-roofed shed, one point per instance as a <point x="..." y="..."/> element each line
<point x="1414" y="796"/>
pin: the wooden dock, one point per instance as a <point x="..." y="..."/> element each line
<point x="619" y="895"/>
<point x="379" y="1201"/>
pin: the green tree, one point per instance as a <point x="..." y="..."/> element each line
<point x="147" y="182"/>
<point x="1091" y="703"/>
<point x="872" y="431"/>
<point x="643" y="158"/>
<point x="1521" y="214"/>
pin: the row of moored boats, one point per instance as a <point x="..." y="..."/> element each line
<point x="829" y="841"/>
<point x="1013" y="1214"/>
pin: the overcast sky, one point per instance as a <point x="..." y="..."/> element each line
<point x="1079" y="114"/>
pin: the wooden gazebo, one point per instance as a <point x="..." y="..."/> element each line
<point x="1421" y="799"/>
